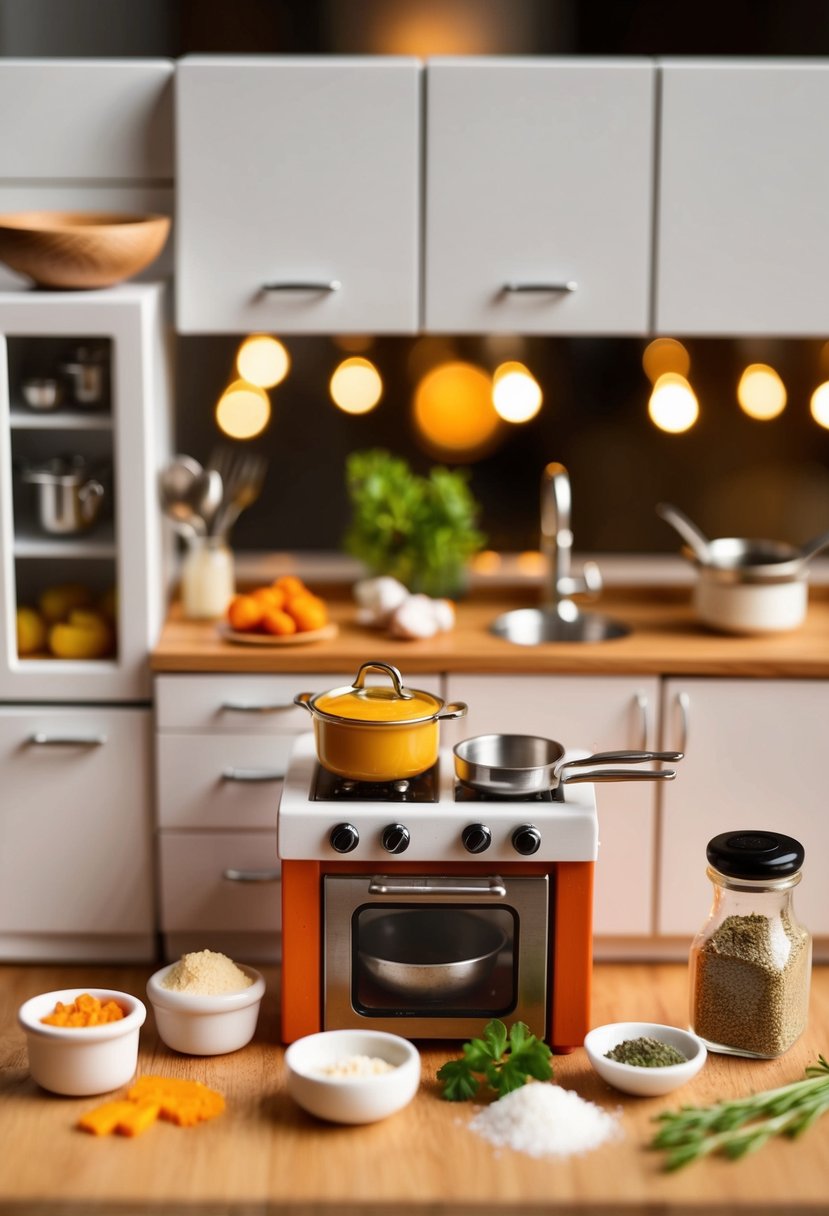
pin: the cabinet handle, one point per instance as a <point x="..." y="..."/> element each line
<point x="551" y="288"/>
<point x="41" y="740"/>
<point x="641" y="702"/>
<point x="252" y="774"/>
<point x="249" y="707"/>
<point x="251" y="875"/>
<point x="683" y="704"/>
<point x="304" y="285"/>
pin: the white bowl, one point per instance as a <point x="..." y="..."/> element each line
<point x="632" y="1078"/>
<point x="200" y="1025"/>
<point x="81" y="1060"/>
<point x="352" y="1099"/>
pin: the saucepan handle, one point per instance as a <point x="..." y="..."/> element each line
<point x="304" y="700"/>
<point x="618" y="774"/>
<point x="455" y="709"/>
<point x="622" y="757"/>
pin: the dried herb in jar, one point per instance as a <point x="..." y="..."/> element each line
<point x="646" y="1052"/>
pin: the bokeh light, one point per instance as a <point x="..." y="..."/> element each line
<point x="665" y="355"/>
<point x="673" y="406"/>
<point x="263" y="361"/>
<point x="356" y="386"/>
<point x="453" y="411"/>
<point x="516" y="394"/>
<point x="819" y="405"/>
<point x="485" y="562"/>
<point x="761" y="393"/>
<point x="353" y="344"/>
<point x="243" y="410"/>
<point x="531" y="563"/>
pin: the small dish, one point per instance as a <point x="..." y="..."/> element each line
<point x="200" y="1025"/>
<point x="271" y="639"/>
<point x="633" y="1079"/>
<point x="42" y="392"/>
<point x="354" y="1099"/>
<point x="81" y="1060"/>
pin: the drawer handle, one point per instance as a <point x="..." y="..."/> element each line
<point x="249" y="707"/>
<point x="252" y="774"/>
<point x="251" y="875"/>
<point x="304" y="285"/>
<point x="41" y="740"/>
<point x="551" y="288"/>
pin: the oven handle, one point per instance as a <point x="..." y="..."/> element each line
<point x="383" y="885"/>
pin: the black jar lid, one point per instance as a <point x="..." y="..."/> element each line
<point x="750" y="854"/>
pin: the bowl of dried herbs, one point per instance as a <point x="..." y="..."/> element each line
<point x="644" y="1058"/>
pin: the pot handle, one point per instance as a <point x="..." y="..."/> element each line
<point x="619" y="774"/>
<point x="622" y="757"/>
<point x="388" y="670"/>
<point x="455" y="709"/>
<point x="304" y="699"/>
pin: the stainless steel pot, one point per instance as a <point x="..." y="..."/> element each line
<point x="69" y="500"/>
<point x="512" y="765"/>
<point x="432" y="954"/>
<point x="86" y="376"/>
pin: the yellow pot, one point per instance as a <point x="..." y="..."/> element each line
<point x="377" y="733"/>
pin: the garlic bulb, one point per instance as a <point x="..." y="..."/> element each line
<point x="378" y="598"/>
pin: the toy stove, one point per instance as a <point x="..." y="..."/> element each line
<point x="425" y="908"/>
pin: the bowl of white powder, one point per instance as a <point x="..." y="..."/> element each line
<point x="205" y="1004"/>
<point x="352" y="1076"/>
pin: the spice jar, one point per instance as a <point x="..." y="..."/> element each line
<point x="751" y="961"/>
<point x="207" y="579"/>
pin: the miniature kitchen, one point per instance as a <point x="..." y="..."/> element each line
<point x="414" y="610"/>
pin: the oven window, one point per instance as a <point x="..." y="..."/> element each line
<point x="433" y="961"/>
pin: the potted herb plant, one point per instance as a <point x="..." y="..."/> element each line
<point x="420" y="530"/>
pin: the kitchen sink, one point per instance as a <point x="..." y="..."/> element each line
<point x="562" y="622"/>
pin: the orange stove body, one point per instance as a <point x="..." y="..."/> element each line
<point x="570" y="964"/>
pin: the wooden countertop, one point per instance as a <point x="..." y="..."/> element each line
<point x="264" y="1155"/>
<point x="665" y="640"/>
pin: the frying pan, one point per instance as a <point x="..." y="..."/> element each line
<point x="512" y="765"/>
<point x="430" y="954"/>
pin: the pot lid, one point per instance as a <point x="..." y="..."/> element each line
<point x="377" y="703"/>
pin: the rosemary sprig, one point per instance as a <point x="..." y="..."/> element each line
<point x="743" y="1125"/>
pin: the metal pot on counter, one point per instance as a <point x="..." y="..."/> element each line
<point x="376" y="733"/>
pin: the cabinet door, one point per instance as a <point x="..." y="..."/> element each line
<point x="539" y="174"/>
<point x="75" y="823"/>
<point x="598" y="714"/>
<point x="742" y="198"/>
<point x="754" y="758"/>
<point x="294" y="175"/>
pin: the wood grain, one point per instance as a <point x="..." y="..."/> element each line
<point x="263" y="1155"/>
<point x="665" y="640"/>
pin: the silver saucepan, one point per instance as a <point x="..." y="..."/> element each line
<point x="512" y="765"/>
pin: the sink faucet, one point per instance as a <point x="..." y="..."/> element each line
<point x="557" y="541"/>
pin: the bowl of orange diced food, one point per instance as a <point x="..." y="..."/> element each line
<point x="82" y="1040"/>
<point x="283" y="612"/>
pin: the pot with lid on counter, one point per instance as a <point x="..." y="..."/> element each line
<point x="375" y="732"/>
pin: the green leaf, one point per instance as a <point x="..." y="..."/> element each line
<point x="459" y="1083"/>
<point x="495" y="1037"/>
<point x="512" y="1076"/>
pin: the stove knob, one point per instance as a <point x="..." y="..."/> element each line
<point x="344" y="837"/>
<point x="526" y="840"/>
<point x="395" y="838"/>
<point x="476" y="838"/>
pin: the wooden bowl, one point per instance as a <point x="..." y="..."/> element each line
<point x="80" y="248"/>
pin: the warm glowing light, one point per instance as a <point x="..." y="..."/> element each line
<point x="486" y="562"/>
<point x="263" y="361"/>
<point x="665" y="355"/>
<point x="354" y="344"/>
<point x="819" y="405"/>
<point x="673" y="405"/>
<point x="356" y="386"/>
<point x="531" y="562"/>
<point x="761" y="393"/>
<point x="453" y="411"/>
<point x="516" y="394"/>
<point x="244" y="410"/>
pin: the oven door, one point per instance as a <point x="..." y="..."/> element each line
<point x="434" y="957"/>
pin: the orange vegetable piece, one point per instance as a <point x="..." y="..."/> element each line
<point x="290" y="585"/>
<point x="279" y="623"/>
<point x="245" y="613"/>
<point x="309" y="612"/>
<point x="181" y="1102"/>
<point x="271" y="598"/>
<point x="85" y="1010"/>
<point x="122" y="1116"/>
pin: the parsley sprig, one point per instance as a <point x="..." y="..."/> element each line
<point x="743" y="1125"/>
<point x="503" y="1059"/>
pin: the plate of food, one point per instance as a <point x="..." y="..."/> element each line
<point x="283" y="613"/>
<point x="252" y="638"/>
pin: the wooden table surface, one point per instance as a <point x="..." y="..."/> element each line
<point x="665" y="639"/>
<point x="264" y="1155"/>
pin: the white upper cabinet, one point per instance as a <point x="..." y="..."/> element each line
<point x="539" y="188"/>
<point x="298" y="187"/>
<point x="742" y="232"/>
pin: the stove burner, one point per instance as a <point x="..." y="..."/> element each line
<point x="328" y="787"/>
<point x="464" y="793"/>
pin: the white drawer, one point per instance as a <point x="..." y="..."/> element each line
<point x="261" y="705"/>
<point x="220" y="781"/>
<point x="220" y="882"/>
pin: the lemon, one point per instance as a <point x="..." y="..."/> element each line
<point x="31" y="631"/>
<point x="57" y="602"/>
